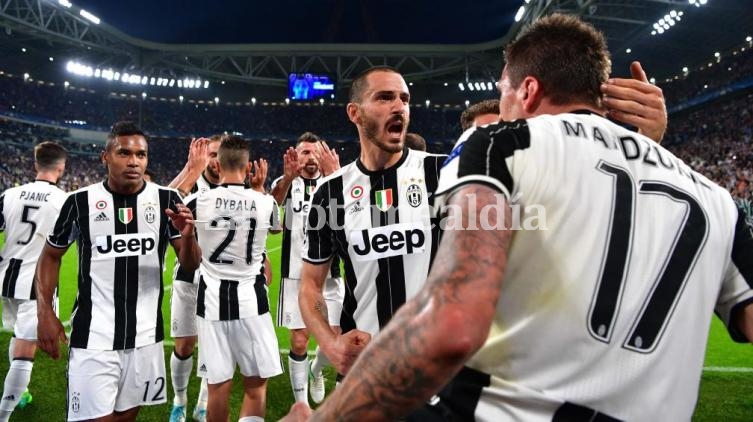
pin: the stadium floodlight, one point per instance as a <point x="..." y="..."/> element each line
<point x="52" y="59"/>
<point x="23" y="49"/>
<point x="445" y="84"/>
<point x="206" y="84"/>
<point x="748" y="38"/>
<point x="144" y="80"/>
<point x="521" y="12"/>
<point x="26" y="76"/>
<point x="477" y="86"/>
<point x="143" y="95"/>
<point x="152" y="81"/>
<point x="652" y="80"/>
<point x="628" y="50"/>
<point x="253" y="100"/>
<point x="216" y="100"/>
<point x="88" y="16"/>
<point x="180" y="98"/>
<point x="428" y="103"/>
<point x="673" y="14"/>
<point x="321" y="101"/>
<point x="467" y="103"/>
<point x="97" y="73"/>
<point x="460" y="86"/>
<point x="287" y="100"/>
<point x="470" y="86"/>
<point x="490" y="86"/>
<point x="65" y="3"/>
<point x="660" y="30"/>
<point x="653" y="32"/>
<point x="172" y="82"/>
<point x="180" y="83"/>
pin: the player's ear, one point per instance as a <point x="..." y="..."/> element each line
<point x="530" y="94"/>
<point x="353" y="113"/>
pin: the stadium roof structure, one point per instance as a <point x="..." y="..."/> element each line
<point x="430" y="41"/>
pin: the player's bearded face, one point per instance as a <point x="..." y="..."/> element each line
<point x="389" y="135"/>
<point x="213" y="165"/>
<point x="306" y="158"/>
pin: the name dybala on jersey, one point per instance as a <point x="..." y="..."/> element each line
<point x="26" y="215"/>
<point x="606" y="309"/>
<point x="121" y="247"/>
<point x="232" y="222"/>
<point x="297" y="203"/>
<point x="382" y="225"/>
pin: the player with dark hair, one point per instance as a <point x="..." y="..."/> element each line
<point x="415" y="141"/>
<point x="304" y="166"/>
<point x="122" y="227"/>
<point x="235" y="327"/>
<point x="589" y="318"/>
<point x="479" y="114"/>
<point x="26" y="215"/>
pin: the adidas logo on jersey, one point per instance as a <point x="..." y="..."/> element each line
<point x="387" y="241"/>
<point x="203" y="368"/>
<point x="101" y="217"/>
<point x="121" y="245"/>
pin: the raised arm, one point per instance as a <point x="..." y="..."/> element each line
<point x="430" y="338"/>
<point x="637" y="102"/>
<point x="50" y="332"/>
<point x="197" y="162"/>
<point x="291" y="170"/>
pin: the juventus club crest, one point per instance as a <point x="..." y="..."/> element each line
<point x="413" y="195"/>
<point x="125" y="215"/>
<point x="150" y="214"/>
<point x="384" y="199"/>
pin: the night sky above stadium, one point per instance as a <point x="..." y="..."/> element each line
<point x="308" y="21"/>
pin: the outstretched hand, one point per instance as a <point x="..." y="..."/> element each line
<point x="291" y="166"/>
<point x="637" y="102"/>
<point x="259" y="176"/>
<point x="329" y="161"/>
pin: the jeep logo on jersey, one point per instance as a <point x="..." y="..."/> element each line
<point x="387" y="241"/>
<point x="150" y="214"/>
<point x="125" y="215"/>
<point x="302" y="206"/>
<point x="383" y="199"/>
<point x="413" y="195"/>
<point x="121" y="245"/>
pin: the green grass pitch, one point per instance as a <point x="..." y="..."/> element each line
<point x="726" y="387"/>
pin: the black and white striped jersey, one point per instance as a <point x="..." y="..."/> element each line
<point x="232" y="222"/>
<point x="296" y="206"/>
<point x="382" y="225"/>
<point x="26" y="215"/>
<point x="621" y="253"/>
<point x="121" y="248"/>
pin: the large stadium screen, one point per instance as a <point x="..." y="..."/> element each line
<point x="309" y="86"/>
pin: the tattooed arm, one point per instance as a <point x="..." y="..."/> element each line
<point x="415" y="356"/>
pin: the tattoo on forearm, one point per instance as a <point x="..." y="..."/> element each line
<point x="321" y="307"/>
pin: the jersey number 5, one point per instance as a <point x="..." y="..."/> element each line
<point x="649" y="325"/>
<point x="26" y="218"/>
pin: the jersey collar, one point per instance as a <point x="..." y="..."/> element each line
<point x="368" y="172"/>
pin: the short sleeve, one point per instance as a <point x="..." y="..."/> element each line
<point x="317" y="242"/>
<point x="64" y="231"/>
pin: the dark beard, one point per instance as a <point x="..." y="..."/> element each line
<point x="371" y="131"/>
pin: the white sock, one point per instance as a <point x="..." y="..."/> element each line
<point x="320" y="361"/>
<point x="299" y="378"/>
<point x="251" y="419"/>
<point x="180" y="370"/>
<point x="16" y="382"/>
<point x="11" y="349"/>
<point x="201" y="401"/>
